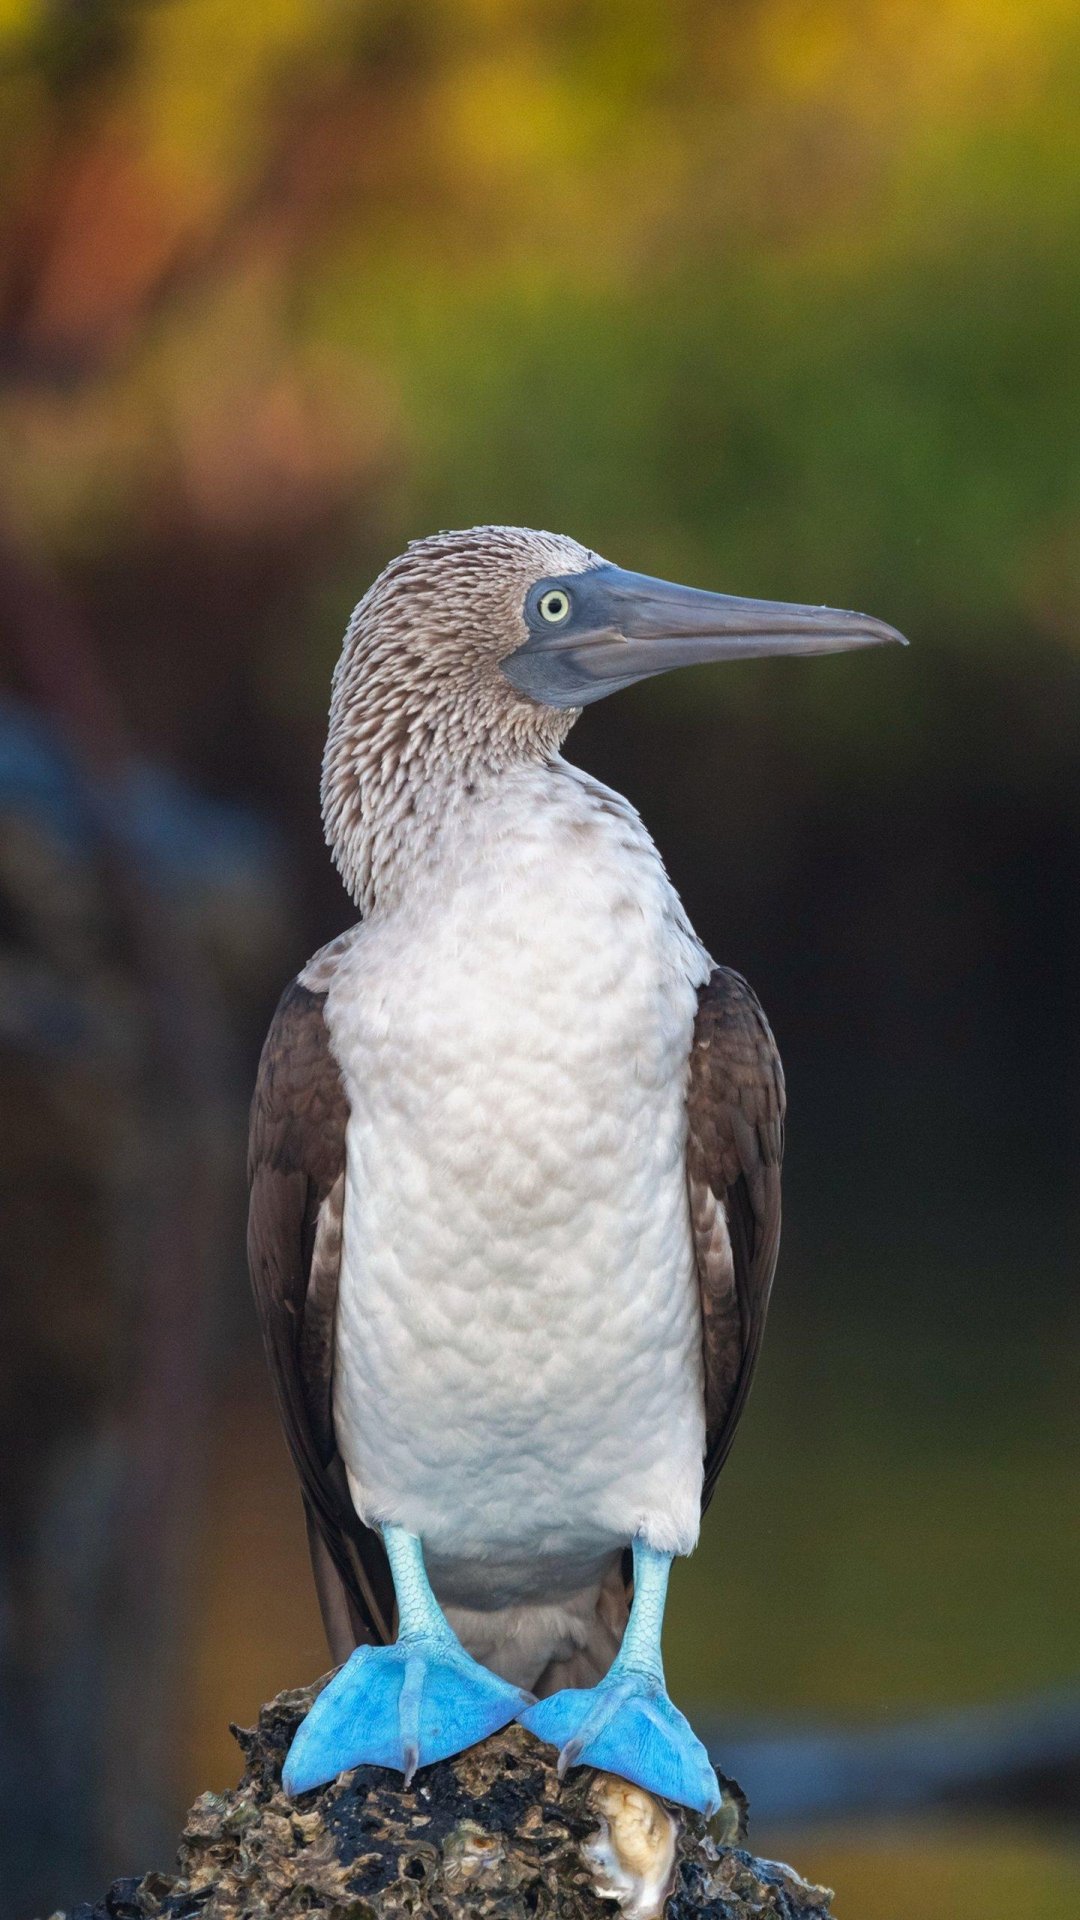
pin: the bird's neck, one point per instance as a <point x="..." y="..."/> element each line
<point x="405" y="791"/>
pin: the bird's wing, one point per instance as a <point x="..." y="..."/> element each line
<point x="296" y="1171"/>
<point x="735" y="1110"/>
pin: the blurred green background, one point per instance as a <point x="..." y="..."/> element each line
<point x="780" y="297"/>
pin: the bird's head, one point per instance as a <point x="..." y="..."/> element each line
<point x="477" y="649"/>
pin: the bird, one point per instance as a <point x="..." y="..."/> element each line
<point x="515" y="1156"/>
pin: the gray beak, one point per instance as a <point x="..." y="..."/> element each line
<point x="612" y="628"/>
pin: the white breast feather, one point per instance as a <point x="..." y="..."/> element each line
<point x="518" y="1368"/>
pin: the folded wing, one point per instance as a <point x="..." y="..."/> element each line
<point x="296" y="1170"/>
<point x="735" y="1109"/>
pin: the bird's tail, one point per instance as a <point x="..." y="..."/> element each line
<point x="588" y="1663"/>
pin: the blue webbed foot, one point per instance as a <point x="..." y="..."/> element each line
<point x="403" y="1706"/>
<point x="627" y="1725"/>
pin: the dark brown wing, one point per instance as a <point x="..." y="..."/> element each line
<point x="296" y="1170"/>
<point x="735" y="1107"/>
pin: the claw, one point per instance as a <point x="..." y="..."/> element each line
<point x="409" y="1704"/>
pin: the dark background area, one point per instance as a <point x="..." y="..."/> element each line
<point x="779" y="298"/>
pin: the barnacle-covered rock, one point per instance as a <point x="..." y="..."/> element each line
<point x="493" y="1834"/>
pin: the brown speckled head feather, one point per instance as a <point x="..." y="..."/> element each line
<point x="735" y="1111"/>
<point x="419" y="707"/>
<point x="296" y="1168"/>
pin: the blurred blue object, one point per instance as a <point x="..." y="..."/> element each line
<point x="184" y="839"/>
<point x="137" y="920"/>
<point x="981" y="1755"/>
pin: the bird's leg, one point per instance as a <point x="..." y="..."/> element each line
<point x="403" y="1706"/>
<point x="626" y="1724"/>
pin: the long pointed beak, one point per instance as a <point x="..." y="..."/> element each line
<point x="621" y="627"/>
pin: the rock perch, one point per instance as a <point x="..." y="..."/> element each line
<point x="493" y="1832"/>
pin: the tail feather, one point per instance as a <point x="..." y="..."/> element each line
<point x="589" y="1663"/>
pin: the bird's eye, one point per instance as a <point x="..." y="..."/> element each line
<point x="554" y="605"/>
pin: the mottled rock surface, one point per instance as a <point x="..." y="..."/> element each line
<point x="493" y="1832"/>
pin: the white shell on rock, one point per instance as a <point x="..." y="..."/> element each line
<point x="632" y="1854"/>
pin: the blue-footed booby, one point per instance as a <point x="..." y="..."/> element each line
<point x="515" y="1174"/>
